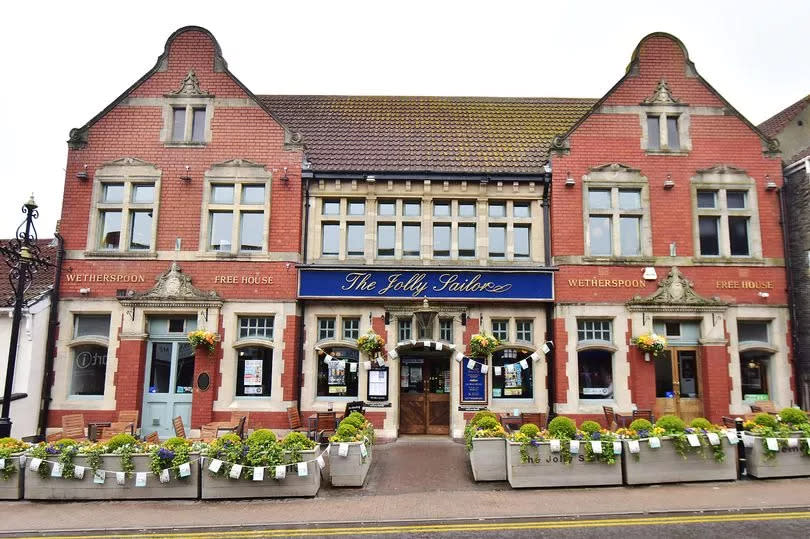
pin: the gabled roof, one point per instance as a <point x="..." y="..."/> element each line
<point x="488" y="135"/>
<point x="776" y="123"/>
<point x="43" y="278"/>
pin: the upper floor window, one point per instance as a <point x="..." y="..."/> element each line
<point x="615" y="221"/>
<point x="187" y="114"/>
<point x="404" y="326"/>
<point x="188" y="124"/>
<point x="343" y="228"/>
<point x="594" y="330"/>
<point x="724" y="222"/>
<point x="351" y="328"/>
<point x="446" y="329"/>
<point x="663" y="133"/>
<point x="523" y="330"/>
<point x="326" y="328"/>
<point x="500" y="329"/>
<point x="256" y="326"/>
<point x="665" y="122"/>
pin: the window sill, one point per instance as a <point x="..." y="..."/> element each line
<point x="620" y="260"/>
<point x="176" y="144"/>
<point x="728" y="261"/>
<point x="120" y="254"/>
<point x="674" y="153"/>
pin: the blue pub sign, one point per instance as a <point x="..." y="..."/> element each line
<point x="500" y="285"/>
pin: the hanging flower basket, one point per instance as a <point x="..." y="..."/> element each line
<point x="651" y="343"/>
<point x="483" y="345"/>
<point x="205" y="338"/>
<point x="371" y="343"/>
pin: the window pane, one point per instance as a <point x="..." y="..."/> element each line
<point x="663" y="375"/>
<point x="752" y="331"/>
<point x="411" y="208"/>
<point x="594" y="330"/>
<point x="738" y="235"/>
<point x="184" y="379"/>
<point x="735" y="200"/>
<point x="221" y="226"/>
<point x="253" y="194"/>
<point x="497" y="209"/>
<point x="709" y="244"/>
<point x="599" y="199"/>
<point x="446" y="329"/>
<point x="513" y="382"/>
<point x="629" y="236"/>
<point x="160" y="371"/>
<point x="330" y="239"/>
<point x="386" y="207"/>
<point x="673" y="140"/>
<point x="441" y="240"/>
<point x="629" y="199"/>
<point x="331" y="207"/>
<point x="256" y="327"/>
<point x="335" y="377"/>
<point x="113" y="193"/>
<point x="500" y="329"/>
<point x="89" y="370"/>
<point x="521" y="209"/>
<point x="411" y="236"/>
<point x="524" y="330"/>
<point x="140" y="230"/>
<point x="357" y="207"/>
<point x="466" y="240"/>
<point x="653" y="133"/>
<point x="497" y="241"/>
<point x="754" y="375"/>
<point x="254" y="372"/>
<point x="326" y="328"/>
<point x="404" y="326"/>
<point x="110" y="229"/>
<point x="143" y="193"/>
<point x="355" y="239"/>
<point x="198" y="126"/>
<point x="251" y="232"/>
<point x="179" y="123"/>
<point x="687" y="371"/>
<point x="522" y="234"/>
<point x="386" y="239"/>
<point x="600" y="235"/>
<point x="92" y="324"/>
<point x="351" y="328"/>
<point x="222" y="194"/>
<point x="466" y="209"/>
<point x="595" y="374"/>
<point x="441" y="209"/>
<point x="707" y="199"/>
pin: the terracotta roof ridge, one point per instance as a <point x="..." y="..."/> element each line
<point x="433" y="97"/>
<point x="775" y="123"/>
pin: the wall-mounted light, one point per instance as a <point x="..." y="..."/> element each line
<point x="84" y="291"/>
<point x="770" y="185"/>
<point x="371" y="179"/>
<point x="285" y="178"/>
<point x="463" y="319"/>
<point x="763" y="294"/>
<point x="187" y="176"/>
<point x="82" y="174"/>
<point x="668" y="183"/>
<point x="387" y="318"/>
<point x="569" y="181"/>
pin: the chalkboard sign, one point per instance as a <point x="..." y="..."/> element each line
<point x="473" y="385"/>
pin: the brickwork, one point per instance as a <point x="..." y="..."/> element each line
<point x="472" y="327"/>
<point x="289" y="381"/>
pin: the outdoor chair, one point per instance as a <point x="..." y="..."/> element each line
<point x="130" y="416"/>
<point x="116" y="427"/>
<point x="764" y="407"/>
<point x="326" y="425"/>
<point x="643" y="414"/>
<point x="179" y="429"/>
<point x="152" y="438"/>
<point x="72" y="427"/>
<point x="538" y="419"/>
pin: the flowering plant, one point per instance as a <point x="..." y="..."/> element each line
<point x="203" y="337"/>
<point x="650" y="343"/>
<point x="482" y="345"/>
<point x="371" y="343"/>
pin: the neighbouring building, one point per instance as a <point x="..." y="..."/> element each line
<point x="791" y="127"/>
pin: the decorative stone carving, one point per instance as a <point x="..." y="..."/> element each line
<point x="293" y="140"/>
<point x="238" y="162"/>
<point x="190" y="87"/>
<point x="128" y="162"/>
<point x="661" y="96"/>
<point x="676" y="291"/>
<point x="174" y="284"/>
<point x="614" y="167"/>
<point x="722" y="168"/>
<point x="560" y="144"/>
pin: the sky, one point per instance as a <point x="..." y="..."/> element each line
<point x="63" y="62"/>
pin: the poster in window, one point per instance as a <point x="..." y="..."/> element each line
<point x="253" y="372"/>
<point x="512" y="380"/>
<point x="337" y="376"/>
<point x="378" y="384"/>
<point x="473" y="385"/>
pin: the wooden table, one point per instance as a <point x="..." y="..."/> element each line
<point x="511" y="422"/>
<point x="94" y="428"/>
<point x="313" y="422"/>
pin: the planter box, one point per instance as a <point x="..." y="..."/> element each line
<point x="789" y="462"/>
<point x="548" y="470"/>
<point x="56" y="488"/>
<point x="665" y="465"/>
<point x="12" y="489"/>
<point x="348" y="471"/>
<point x="488" y="459"/>
<point x="217" y="487"/>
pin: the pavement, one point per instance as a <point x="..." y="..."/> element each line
<point x="417" y="478"/>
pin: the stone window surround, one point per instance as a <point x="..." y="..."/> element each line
<point x="511" y="328"/>
<point x="237" y="172"/>
<point x="723" y="178"/>
<point x="190" y="103"/>
<point x="662" y="111"/>
<point x="338" y="339"/>
<point x="256" y="339"/>
<point x="130" y="172"/>
<point x="92" y="340"/>
<point x="615" y="177"/>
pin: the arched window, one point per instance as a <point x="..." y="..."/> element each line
<point x="595" y="358"/>
<point x="337" y="374"/>
<point x="510" y="379"/>
<point x="254" y="371"/>
<point x="755" y="359"/>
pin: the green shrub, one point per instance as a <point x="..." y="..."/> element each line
<point x="355" y="419"/>
<point x="176" y="443"/>
<point x="297" y="439"/>
<point x="640" y="424"/>
<point x="590" y="427"/>
<point x="792" y="416"/>
<point x="120" y="440"/>
<point x="766" y="420"/>
<point x="671" y="423"/>
<point x="261" y="437"/>
<point x="530" y="429"/>
<point x="482" y="414"/>
<point x="701" y="423"/>
<point x="562" y="427"/>
<point x="64" y="442"/>
<point x="346" y="431"/>
<point x="487" y="423"/>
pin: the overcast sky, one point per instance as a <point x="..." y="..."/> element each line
<point x="64" y="62"/>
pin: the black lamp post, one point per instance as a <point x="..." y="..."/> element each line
<point x="23" y="257"/>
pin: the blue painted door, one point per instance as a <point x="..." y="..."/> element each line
<point x="168" y="386"/>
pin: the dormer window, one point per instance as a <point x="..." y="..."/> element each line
<point x="187" y="114"/>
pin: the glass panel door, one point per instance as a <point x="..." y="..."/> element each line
<point x="677" y="384"/>
<point x="168" y="386"/>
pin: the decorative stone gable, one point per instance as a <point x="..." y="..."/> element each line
<point x="661" y="96"/>
<point x="190" y="87"/>
<point x="674" y="292"/>
<point x="175" y="285"/>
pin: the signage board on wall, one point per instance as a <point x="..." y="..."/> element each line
<point x="442" y="284"/>
<point x="473" y="385"/>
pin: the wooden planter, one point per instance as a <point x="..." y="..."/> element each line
<point x="664" y="465"/>
<point x="218" y="487"/>
<point x="547" y="469"/>
<point x="789" y="462"/>
<point x="56" y="488"/>
<point x="12" y="488"/>
<point x="488" y="459"/>
<point x="351" y="470"/>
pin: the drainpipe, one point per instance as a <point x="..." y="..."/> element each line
<point x="53" y="323"/>
<point x="546" y="219"/>
<point x="551" y="376"/>
<point x="794" y="337"/>
<point x="301" y="325"/>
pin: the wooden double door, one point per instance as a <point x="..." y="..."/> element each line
<point x="677" y="384"/>
<point x="424" y="395"/>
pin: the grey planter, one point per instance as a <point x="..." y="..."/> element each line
<point x="351" y="470"/>
<point x="789" y="462"/>
<point x="56" y="488"/>
<point x="664" y="465"/>
<point x="12" y="488"/>
<point x="548" y="470"/>
<point x="488" y="459"/>
<point x="217" y="487"/>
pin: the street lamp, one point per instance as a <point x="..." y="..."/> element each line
<point x="23" y="257"/>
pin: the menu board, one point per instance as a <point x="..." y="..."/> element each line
<point x="473" y="385"/>
<point x="378" y="384"/>
<point x="337" y="376"/>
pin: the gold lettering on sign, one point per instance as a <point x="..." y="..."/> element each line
<point x="104" y="278"/>
<point x="607" y="283"/>
<point x="255" y="278"/>
<point x="748" y="284"/>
